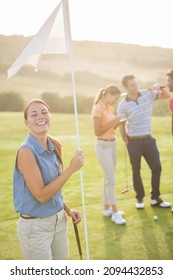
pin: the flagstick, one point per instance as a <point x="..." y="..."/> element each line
<point x="31" y="54"/>
<point x="69" y="44"/>
<point x="78" y="146"/>
<point x="66" y="8"/>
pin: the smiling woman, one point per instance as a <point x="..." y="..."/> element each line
<point x="37" y="115"/>
<point x="37" y="187"/>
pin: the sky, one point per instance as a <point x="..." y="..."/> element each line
<point x="141" y="22"/>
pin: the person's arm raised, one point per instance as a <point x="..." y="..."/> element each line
<point x="163" y="92"/>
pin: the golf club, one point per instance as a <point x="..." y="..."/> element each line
<point x="126" y="189"/>
<point x="78" y="240"/>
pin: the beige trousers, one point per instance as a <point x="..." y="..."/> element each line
<point x="44" y="238"/>
<point x="106" y="153"/>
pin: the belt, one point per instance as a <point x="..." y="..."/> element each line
<point x="30" y="217"/>
<point x="139" y="137"/>
<point x="27" y="217"/>
<point x="111" y="139"/>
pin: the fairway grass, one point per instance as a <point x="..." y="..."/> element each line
<point x="141" y="238"/>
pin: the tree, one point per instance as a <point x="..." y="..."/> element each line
<point x="12" y="102"/>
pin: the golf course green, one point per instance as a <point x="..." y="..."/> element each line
<point x="142" y="238"/>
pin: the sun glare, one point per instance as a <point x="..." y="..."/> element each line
<point x="137" y="22"/>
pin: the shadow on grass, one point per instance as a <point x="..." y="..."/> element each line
<point x="113" y="234"/>
<point x="165" y="224"/>
<point x="157" y="235"/>
<point x="149" y="238"/>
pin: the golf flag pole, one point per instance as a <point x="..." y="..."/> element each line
<point x="78" y="146"/>
<point x="78" y="136"/>
<point x="54" y="37"/>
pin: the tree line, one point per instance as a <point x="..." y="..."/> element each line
<point x="14" y="102"/>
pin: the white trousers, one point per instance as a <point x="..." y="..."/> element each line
<point x="44" y="238"/>
<point x="106" y="153"/>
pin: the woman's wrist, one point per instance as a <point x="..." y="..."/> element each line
<point x="67" y="209"/>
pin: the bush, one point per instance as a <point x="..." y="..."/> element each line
<point x="65" y="104"/>
<point x="11" y="102"/>
<point x="14" y="102"/>
<point x="52" y="100"/>
<point x="161" y="108"/>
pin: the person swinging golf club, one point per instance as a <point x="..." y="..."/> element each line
<point x="139" y="104"/>
<point x="105" y="122"/>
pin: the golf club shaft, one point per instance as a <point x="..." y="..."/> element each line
<point x="125" y="162"/>
<point x="126" y="170"/>
<point x="78" y="240"/>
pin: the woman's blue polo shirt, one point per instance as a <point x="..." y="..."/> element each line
<point x="50" y="168"/>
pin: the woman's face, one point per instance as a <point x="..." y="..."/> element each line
<point x="112" y="98"/>
<point x="38" y="118"/>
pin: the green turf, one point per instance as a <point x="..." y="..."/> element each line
<point x="141" y="238"/>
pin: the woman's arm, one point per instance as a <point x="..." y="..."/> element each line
<point x="28" y="166"/>
<point x="99" y="129"/>
<point x="75" y="215"/>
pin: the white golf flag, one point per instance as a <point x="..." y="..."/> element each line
<point x="53" y="37"/>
